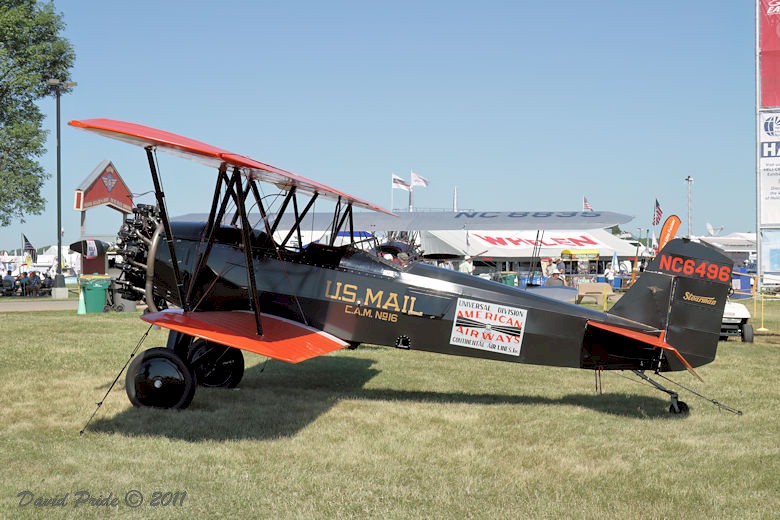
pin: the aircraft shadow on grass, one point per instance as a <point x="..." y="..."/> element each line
<point x="281" y="400"/>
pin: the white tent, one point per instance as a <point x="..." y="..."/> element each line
<point x="523" y="244"/>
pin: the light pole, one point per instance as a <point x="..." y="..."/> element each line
<point x="59" y="280"/>
<point x="689" y="180"/>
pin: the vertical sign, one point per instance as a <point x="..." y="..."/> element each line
<point x="769" y="52"/>
<point x="768" y="137"/>
<point x="769" y="167"/>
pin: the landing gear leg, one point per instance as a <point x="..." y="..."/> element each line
<point x="677" y="407"/>
<point x="215" y="365"/>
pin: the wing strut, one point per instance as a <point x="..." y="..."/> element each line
<point x="246" y="230"/>
<point x="237" y="192"/>
<point x="351" y="226"/>
<point x="261" y="208"/>
<point x="215" y="217"/>
<point x="334" y="222"/>
<point x="338" y="222"/>
<point x="211" y="225"/>
<point x="166" y="225"/>
<point x="346" y="215"/>
<point x="285" y="203"/>
<point x="296" y="228"/>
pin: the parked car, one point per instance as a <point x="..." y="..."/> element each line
<point x="735" y="322"/>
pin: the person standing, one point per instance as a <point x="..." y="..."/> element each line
<point x="33" y="284"/>
<point x="555" y="279"/>
<point x="466" y="266"/>
<point x="609" y="274"/>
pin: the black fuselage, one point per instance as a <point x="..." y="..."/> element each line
<point x="362" y="298"/>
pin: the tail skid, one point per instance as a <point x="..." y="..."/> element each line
<point x="677" y="406"/>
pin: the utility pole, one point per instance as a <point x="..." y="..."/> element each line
<point x="689" y="180"/>
<point x="59" y="291"/>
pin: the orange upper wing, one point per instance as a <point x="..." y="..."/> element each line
<point x="204" y="153"/>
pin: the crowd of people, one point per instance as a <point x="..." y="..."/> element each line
<point x="554" y="272"/>
<point x="33" y="283"/>
<point x="556" y="276"/>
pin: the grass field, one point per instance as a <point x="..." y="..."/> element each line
<point x="380" y="433"/>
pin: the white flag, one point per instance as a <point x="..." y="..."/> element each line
<point x="418" y="180"/>
<point x="399" y="183"/>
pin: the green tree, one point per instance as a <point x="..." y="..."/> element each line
<point x="31" y="52"/>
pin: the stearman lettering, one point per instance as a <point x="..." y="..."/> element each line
<point x="707" y="300"/>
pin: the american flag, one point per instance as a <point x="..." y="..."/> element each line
<point x="586" y="205"/>
<point x="29" y="247"/>
<point x="657" y="213"/>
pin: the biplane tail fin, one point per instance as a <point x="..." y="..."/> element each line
<point x="682" y="294"/>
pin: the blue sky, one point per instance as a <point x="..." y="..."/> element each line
<point x="523" y="105"/>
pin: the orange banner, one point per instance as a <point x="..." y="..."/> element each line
<point x="668" y="231"/>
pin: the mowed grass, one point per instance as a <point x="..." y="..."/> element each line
<point x="382" y="433"/>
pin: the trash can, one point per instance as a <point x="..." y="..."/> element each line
<point x="93" y="289"/>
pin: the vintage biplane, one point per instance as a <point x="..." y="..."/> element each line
<point x="234" y="286"/>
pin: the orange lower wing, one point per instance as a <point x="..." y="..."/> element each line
<point x="282" y="339"/>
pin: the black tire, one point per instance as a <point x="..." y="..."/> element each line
<point x="159" y="378"/>
<point x="747" y="333"/>
<point x="215" y="365"/>
<point x="682" y="408"/>
<point x="119" y="308"/>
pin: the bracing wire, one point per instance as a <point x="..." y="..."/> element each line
<point x="111" y="386"/>
<point x="282" y="264"/>
<point x="720" y="406"/>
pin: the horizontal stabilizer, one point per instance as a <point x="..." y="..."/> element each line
<point x="656" y="341"/>
<point x="282" y="339"/>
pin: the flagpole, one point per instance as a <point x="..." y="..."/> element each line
<point x="689" y="180"/>
<point x="411" y="188"/>
<point x="392" y="189"/>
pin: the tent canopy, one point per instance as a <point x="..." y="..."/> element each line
<point x="525" y="244"/>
